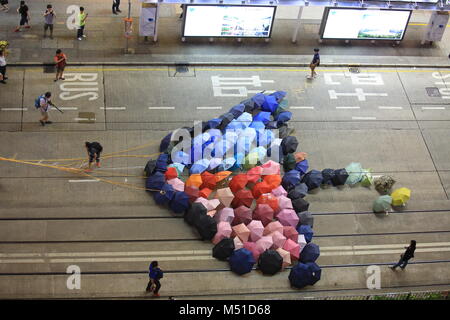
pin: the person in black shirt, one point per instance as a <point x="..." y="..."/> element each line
<point x="408" y="254"/>
<point x="314" y="63"/>
<point x="115" y="6"/>
<point x="93" y="149"/>
<point x="24" y="16"/>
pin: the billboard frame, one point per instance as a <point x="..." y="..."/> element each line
<point x="325" y="20"/>
<point x="226" y="5"/>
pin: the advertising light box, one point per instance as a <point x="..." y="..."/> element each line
<point x="364" y="24"/>
<point x="228" y="21"/>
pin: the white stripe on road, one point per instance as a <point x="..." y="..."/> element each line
<point x="89" y="180"/>
<point x="143" y="259"/>
<point x="84" y="119"/>
<point x="391" y="108"/>
<point x="209" y="108"/>
<point x="265" y="91"/>
<point x="22" y="261"/>
<point x="347" y="107"/>
<point x="123" y="168"/>
<point x="433" y="108"/>
<point x="113" y="108"/>
<point x="67" y="108"/>
<point x="368" y="252"/>
<point x="364" y="118"/>
<point x="105" y="254"/>
<point x="161" y="108"/>
<point x="301" y="107"/>
<point x="14" y="109"/>
<point x="384" y="246"/>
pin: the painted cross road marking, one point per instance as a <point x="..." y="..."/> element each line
<point x="113" y="108"/>
<point x="14" y="109"/>
<point x="347" y="108"/>
<point x="358" y="93"/>
<point x="236" y="87"/>
<point x="373" y="79"/>
<point x="301" y="107"/>
<point x="161" y="108"/>
<point x="433" y="108"/>
<point x="209" y="108"/>
<point x="445" y="92"/>
<point x="390" y="108"/>
<point x="364" y="118"/>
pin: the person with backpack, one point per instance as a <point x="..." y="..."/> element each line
<point x="155" y="274"/>
<point x="43" y="103"/>
<point x="61" y="61"/>
<point x="404" y="257"/>
<point x="24" y="16"/>
<point x="94" y="149"/>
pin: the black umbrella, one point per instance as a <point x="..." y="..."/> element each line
<point x="165" y="143"/>
<point x="340" y="176"/>
<point x="249" y="105"/>
<point x="150" y="167"/>
<point x="194" y="213"/>
<point x="299" y="191"/>
<point x="206" y="226"/>
<point x="270" y="262"/>
<point x="328" y="175"/>
<point x="284" y="131"/>
<point x="306" y="218"/>
<point x="226" y="119"/>
<point x="289" y="162"/>
<point x="289" y="144"/>
<point x="313" y="179"/>
<point x="300" y="205"/>
<point x="223" y="249"/>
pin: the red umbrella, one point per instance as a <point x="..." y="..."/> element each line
<point x="238" y="244"/>
<point x="264" y="243"/>
<point x="279" y="191"/>
<point x="264" y="213"/>
<point x="171" y="173"/>
<point x="242" y="232"/>
<point x="243" y="197"/>
<point x="192" y="192"/>
<point x="272" y="227"/>
<point x="273" y="180"/>
<point x="256" y="230"/>
<point x="278" y="239"/>
<point x="290" y="233"/>
<point x="205" y="193"/>
<point x="223" y="231"/>
<point x="286" y="257"/>
<point x="293" y="248"/>
<point x="251" y="246"/>
<point x="226" y="214"/>
<point x="271" y="167"/>
<point x="209" y="180"/>
<point x="261" y="188"/>
<point x="288" y="217"/>
<point x="238" y="182"/>
<point x="269" y="199"/>
<point x="254" y="174"/>
<point x="242" y="214"/>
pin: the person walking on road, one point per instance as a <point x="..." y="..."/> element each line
<point x="314" y="63"/>
<point x="49" y="17"/>
<point x="3" y="76"/>
<point x="82" y="20"/>
<point x="24" y="16"/>
<point x="115" y="6"/>
<point x="94" y="149"/>
<point x="61" y="61"/>
<point x="4" y="4"/>
<point x="44" y="106"/>
<point x="404" y="257"/>
<point x="155" y="274"/>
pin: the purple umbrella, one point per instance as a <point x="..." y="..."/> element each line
<point x="264" y="213"/>
<point x="278" y="239"/>
<point x="288" y="217"/>
<point x="264" y="244"/>
<point x="284" y="203"/>
<point x="242" y="214"/>
<point x="226" y="214"/>
<point x="223" y="231"/>
<point x="279" y="191"/>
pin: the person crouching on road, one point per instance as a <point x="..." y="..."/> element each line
<point x="94" y="150"/>
<point x="44" y="106"/>
<point x="155" y="274"/>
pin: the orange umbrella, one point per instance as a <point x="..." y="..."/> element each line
<point x="194" y="180"/>
<point x="222" y="175"/>
<point x="270" y="200"/>
<point x="273" y="180"/>
<point x="261" y="188"/>
<point x="254" y="174"/>
<point x="300" y="156"/>
<point x="171" y="173"/>
<point x="209" y="180"/>
<point x="205" y="193"/>
<point x="238" y="182"/>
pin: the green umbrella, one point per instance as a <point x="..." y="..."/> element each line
<point x="179" y="167"/>
<point x="251" y="160"/>
<point x="382" y="204"/>
<point x="367" y="178"/>
<point x="355" y="172"/>
<point x="289" y="162"/>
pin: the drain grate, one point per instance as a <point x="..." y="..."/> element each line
<point x="86" y="117"/>
<point x="49" y="68"/>
<point x="181" y="70"/>
<point x="433" y="92"/>
<point x="353" y="69"/>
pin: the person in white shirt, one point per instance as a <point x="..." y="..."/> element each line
<point x="3" y="76"/>
<point x="45" y="103"/>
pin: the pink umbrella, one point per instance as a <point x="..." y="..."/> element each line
<point x="279" y="191"/>
<point x="251" y="246"/>
<point x="272" y="227"/>
<point x="242" y="214"/>
<point x="264" y="213"/>
<point x="223" y="231"/>
<point x="284" y="203"/>
<point x="211" y="213"/>
<point x="278" y="239"/>
<point x="176" y="184"/>
<point x="237" y="243"/>
<point x="290" y="233"/>
<point x="270" y="167"/>
<point x="206" y="203"/>
<point x="288" y="217"/>
<point x="214" y="203"/>
<point x="301" y="241"/>
<point x="242" y="232"/>
<point x="254" y="174"/>
<point x="226" y="214"/>
<point x="256" y="230"/>
<point x="225" y="196"/>
<point x="264" y="243"/>
<point x="286" y="257"/>
<point x="293" y="248"/>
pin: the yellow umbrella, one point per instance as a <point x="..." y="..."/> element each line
<point x="400" y="196"/>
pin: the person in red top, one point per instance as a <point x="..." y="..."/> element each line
<point x="61" y="61"/>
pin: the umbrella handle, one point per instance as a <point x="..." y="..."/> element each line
<point x="162" y="192"/>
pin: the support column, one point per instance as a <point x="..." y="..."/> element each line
<point x="297" y="28"/>
<point x="155" y="37"/>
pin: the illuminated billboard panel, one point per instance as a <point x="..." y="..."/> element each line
<point x="228" y="21"/>
<point x="360" y="24"/>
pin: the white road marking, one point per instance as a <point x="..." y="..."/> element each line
<point x="258" y="91"/>
<point x="84" y="119"/>
<point x="113" y="108"/>
<point x="301" y="107"/>
<point x="88" y="180"/>
<point x="391" y="108"/>
<point x="433" y="108"/>
<point x="384" y="246"/>
<point x="364" y="118"/>
<point x="347" y="107"/>
<point x="66" y="108"/>
<point x="143" y="259"/>
<point x="161" y="108"/>
<point x="368" y="252"/>
<point x="123" y="168"/>
<point x="209" y="108"/>
<point x="14" y="109"/>
<point x="23" y="261"/>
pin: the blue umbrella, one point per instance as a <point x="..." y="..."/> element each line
<point x="272" y="125"/>
<point x="284" y="116"/>
<point x="245" y="119"/>
<point x="299" y="191"/>
<point x="165" y="143"/>
<point x="235" y="125"/>
<point x="279" y="95"/>
<point x="259" y="99"/>
<point x="155" y="181"/>
<point x="290" y="179"/>
<point x="199" y="166"/>
<point x="181" y="157"/>
<point x="161" y="162"/>
<point x="328" y="175"/>
<point x="241" y="261"/>
<point x="227" y="164"/>
<point x="237" y="110"/>
<point x="275" y="151"/>
<point x="165" y="195"/>
<point x="302" y="166"/>
<point x="214" y="163"/>
<point x="270" y="104"/>
<point x="180" y="202"/>
<point x="258" y="125"/>
<point x="214" y="123"/>
<point x="306" y="231"/>
<point x="310" y="253"/>
<point x="302" y="275"/>
<point x="264" y="137"/>
<point x="313" y="179"/>
<point x="262" y="153"/>
<point x="262" y="116"/>
<point x="239" y="157"/>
